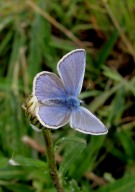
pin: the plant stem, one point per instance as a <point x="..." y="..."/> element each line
<point x="51" y="160"/>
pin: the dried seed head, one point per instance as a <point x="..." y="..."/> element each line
<point x="30" y="108"/>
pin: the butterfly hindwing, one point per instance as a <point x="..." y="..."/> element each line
<point x="84" y="121"/>
<point x="53" y="116"/>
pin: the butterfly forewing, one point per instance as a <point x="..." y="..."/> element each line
<point x="48" y="86"/>
<point x="71" y="69"/>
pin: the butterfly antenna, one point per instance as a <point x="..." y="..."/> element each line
<point x="83" y="102"/>
<point x="87" y="87"/>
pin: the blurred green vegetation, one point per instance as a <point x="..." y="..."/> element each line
<point x="34" y="35"/>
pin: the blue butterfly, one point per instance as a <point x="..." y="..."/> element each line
<point x="58" y="97"/>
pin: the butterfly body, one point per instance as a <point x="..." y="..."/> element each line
<point x="71" y="102"/>
<point x="58" y="97"/>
